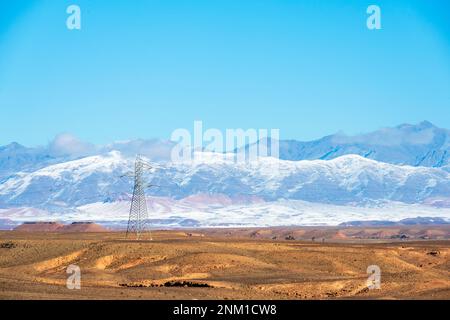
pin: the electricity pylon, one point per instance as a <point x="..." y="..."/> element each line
<point x="138" y="220"/>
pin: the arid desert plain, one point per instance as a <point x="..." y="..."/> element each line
<point x="277" y="263"/>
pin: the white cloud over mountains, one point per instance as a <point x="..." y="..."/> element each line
<point x="406" y="134"/>
<point x="68" y="145"/>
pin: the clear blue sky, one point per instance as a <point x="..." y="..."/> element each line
<point x="140" y="69"/>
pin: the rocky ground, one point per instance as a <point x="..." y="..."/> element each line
<point x="221" y="264"/>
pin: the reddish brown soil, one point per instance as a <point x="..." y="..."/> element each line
<point x="59" y="227"/>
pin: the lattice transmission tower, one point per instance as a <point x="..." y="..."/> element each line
<point x="138" y="223"/>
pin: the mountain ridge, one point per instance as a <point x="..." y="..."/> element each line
<point x="422" y="144"/>
<point x="344" y="180"/>
<point x="71" y="178"/>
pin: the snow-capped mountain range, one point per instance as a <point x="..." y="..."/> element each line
<point x="393" y="173"/>
<point x="344" y="180"/>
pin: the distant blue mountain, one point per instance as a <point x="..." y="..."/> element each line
<point x="403" y="222"/>
<point x="417" y="145"/>
<point x="15" y="157"/>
